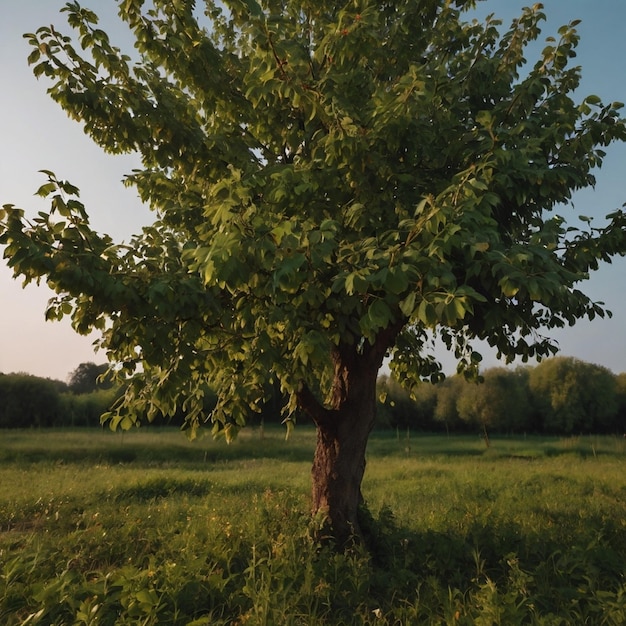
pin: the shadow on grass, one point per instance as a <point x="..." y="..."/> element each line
<point x="141" y="457"/>
<point x="574" y="571"/>
<point x="150" y="449"/>
<point x="164" y="487"/>
<point x="522" y="447"/>
<point x="153" y="446"/>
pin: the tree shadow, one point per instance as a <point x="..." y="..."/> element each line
<point x="569" y="569"/>
<point x="117" y="449"/>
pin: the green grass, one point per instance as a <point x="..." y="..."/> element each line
<point x="149" y="528"/>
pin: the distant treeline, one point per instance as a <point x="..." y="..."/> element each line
<point x="30" y="401"/>
<point x="561" y="395"/>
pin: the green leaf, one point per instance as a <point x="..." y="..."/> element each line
<point x="484" y="118"/>
<point x="508" y="287"/>
<point x="427" y="314"/>
<point x="397" y="281"/>
<point x="481" y="246"/>
<point x="289" y="426"/>
<point x="46" y="189"/>
<point x="355" y="283"/>
<point x="407" y="306"/>
<point x="253" y="7"/>
<point x="288" y="277"/>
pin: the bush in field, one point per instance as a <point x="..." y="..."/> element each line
<point x="573" y="396"/>
<point x="27" y="401"/>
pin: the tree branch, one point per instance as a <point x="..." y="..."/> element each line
<point x="313" y="407"/>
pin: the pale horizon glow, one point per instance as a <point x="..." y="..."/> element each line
<point x="37" y="134"/>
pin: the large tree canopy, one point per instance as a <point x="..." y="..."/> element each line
<point x="333" y="183"/>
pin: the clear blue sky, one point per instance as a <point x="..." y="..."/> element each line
<point x="36" y="134"/>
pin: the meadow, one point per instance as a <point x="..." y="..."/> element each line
<point x="147" y="527"/>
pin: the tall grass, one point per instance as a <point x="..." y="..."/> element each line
<point x="148" y="528"/>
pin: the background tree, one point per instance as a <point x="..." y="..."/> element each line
<point x="573" y="396"/>
<point x="500" y="402"/>
<point x="401" y="409"/>
<point x="86" y="378"/>
<point x="424" y="399"/>
<point x="620" y="417"/>
<point x="446" y="408"/>
<point x="331" y="184"/>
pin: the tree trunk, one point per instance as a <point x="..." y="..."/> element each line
<point x="343" y="428"/>
<point x="339" y="466"/>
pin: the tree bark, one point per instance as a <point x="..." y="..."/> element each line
<point x="339" y="462"/>
<point x="343" y="429"/>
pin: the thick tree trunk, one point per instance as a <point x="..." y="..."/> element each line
<point x="343" y="428"/>
<point x="339" y="465"/>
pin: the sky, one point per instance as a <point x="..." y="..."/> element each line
<point x="36" y="134"/>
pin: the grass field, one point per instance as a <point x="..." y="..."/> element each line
<point x="148" y="528"/>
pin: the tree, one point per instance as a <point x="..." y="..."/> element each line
<point x="448" y="393"/>
<point x="424" y="401"/>
<point x="500" y="403"/>
<point x="620" y="417"/>
<point x="403" y="409"/>
<point x="395" y="403"/>
<point x="332" y="184"/>
<point x="573" y="396"/>
<point x="85" y="378"/>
